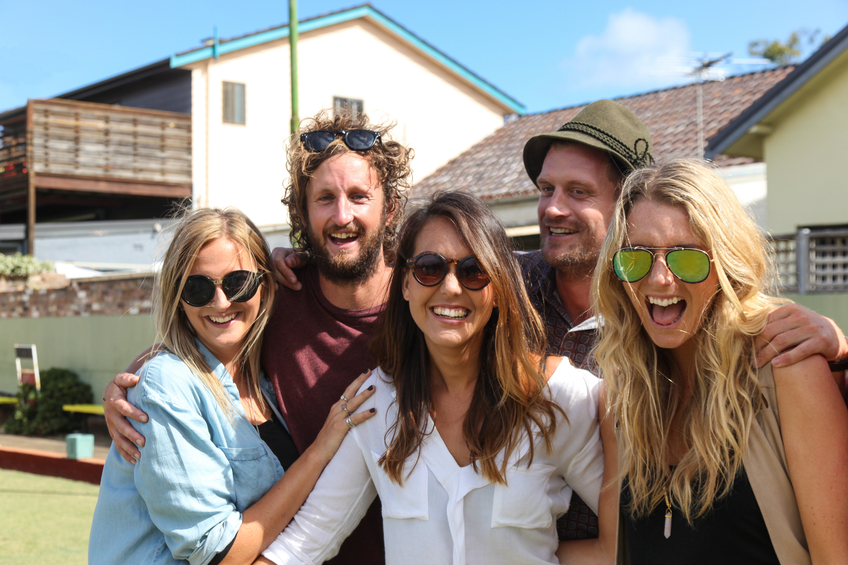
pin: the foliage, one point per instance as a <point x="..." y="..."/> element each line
<point x="18" y="265"/>
<point x="26" y="412"/>
<point x="42" y="414"/>
<point x="788" y="52"/>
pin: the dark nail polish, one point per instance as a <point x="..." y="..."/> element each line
<point x="373" y="410"/>
<point x="371" y="387"/>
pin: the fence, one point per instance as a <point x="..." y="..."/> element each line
<point x="813" y="261"/>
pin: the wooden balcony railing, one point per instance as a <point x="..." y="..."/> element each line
<point x="64" y="145"/>
<point x="72" y="138"/>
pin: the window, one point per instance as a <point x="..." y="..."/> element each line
<point x="234" y="103"/>
<point x="814" y="261"/>
<point x="355" y="106"/>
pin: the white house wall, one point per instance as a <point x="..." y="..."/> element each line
<point x="438" y="113"/>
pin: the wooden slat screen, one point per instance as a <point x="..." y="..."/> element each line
<point x="98" y="140"/>
<point x="13" y="148"/>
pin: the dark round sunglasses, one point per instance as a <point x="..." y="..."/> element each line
<point x="238" y="286"/>
<point x="355" y="139"/>
<point x="689" y="265"/>
<point x="430" y="268"/>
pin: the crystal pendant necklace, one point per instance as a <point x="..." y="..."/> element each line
<point x="667" y="529"/>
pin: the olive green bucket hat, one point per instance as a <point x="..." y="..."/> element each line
<point x="605" y="125"/>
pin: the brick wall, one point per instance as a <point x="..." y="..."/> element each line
<point x="114" y="295"/>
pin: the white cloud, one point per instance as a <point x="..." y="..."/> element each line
<point x="635" y="51"/>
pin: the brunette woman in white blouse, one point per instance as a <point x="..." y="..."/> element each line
<point x="478" y="438"/>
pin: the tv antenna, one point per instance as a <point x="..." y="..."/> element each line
<point x="710" y="67"/>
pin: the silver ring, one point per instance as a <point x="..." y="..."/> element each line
<point x="343" y="397"/>
<point x="344" y="407"/>
<point x="349" y="423"/>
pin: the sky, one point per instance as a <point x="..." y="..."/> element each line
<point x="545" y="54"/>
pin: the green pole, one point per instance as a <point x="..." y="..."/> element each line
<point x="295" y="121"/>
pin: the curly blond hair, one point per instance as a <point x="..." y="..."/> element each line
<point x="390" y="159"/>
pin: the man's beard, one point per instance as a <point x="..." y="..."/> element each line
<point x="577" y="262"/>
<point x="345" y="268"/>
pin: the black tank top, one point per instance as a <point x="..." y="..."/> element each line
<point x="279" y="441"/>
<point x="733" y="532"/>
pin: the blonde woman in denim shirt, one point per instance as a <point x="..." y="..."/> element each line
<point x="207" y="488"/>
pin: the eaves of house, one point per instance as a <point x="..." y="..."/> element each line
<point x="225" y="46"/>
<point x="493" y="168"/>
<point x="742" y="135"/>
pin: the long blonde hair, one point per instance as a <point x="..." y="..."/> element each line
<point x="194" y="230"/>
<point x="510" y="397"/>
<point x="725" y="397"/>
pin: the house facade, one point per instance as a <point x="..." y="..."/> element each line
<point x="359" y="58"/>
<point x="800" y="130"/>
<point x="233" y="100"/>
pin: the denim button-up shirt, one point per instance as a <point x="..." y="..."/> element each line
<point x="198" y="471"/>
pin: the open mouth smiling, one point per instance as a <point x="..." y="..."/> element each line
<point x="341" y="238"/>
<point x="666" y="311"/>
<point x="224" y="318"/>
<point x="561" y="231"/>
<point x="451" y="313"/>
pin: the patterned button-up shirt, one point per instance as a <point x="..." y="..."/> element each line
<point x="567" y="340"/>
<point x="564" y="338"/>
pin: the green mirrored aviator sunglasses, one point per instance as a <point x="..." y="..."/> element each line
<point x="689" y="265"/>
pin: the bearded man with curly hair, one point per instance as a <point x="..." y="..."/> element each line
<point x="345" y="197"/>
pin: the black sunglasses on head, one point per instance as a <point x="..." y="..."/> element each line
<point x="430" y="268"/>
<point x="355" y="139"/>
<point x="238" y="286"/>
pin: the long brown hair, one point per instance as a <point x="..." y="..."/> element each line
<point x="510" y="397"/>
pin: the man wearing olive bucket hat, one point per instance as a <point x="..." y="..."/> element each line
<point x="578" y="170"/>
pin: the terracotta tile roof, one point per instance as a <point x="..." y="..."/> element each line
<point x="493" y="168"/>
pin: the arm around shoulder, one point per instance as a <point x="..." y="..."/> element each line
<point x="117" y="410"/>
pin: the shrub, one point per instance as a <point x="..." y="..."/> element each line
<point x="42" y="414"/>
<point x="18" y="265"/>
<point x="25" y="412"/>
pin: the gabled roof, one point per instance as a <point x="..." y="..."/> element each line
<point x="781" y="92"/>
<point x="148" y="72"/>
<point x="364" y="11"/>
<point x="493" y="168"/>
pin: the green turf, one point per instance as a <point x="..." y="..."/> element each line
<point x="44" y="520"/>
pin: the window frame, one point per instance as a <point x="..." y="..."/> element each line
<point x="234" y="104"/>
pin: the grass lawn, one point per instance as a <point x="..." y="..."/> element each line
<point x="44" y="520"/>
